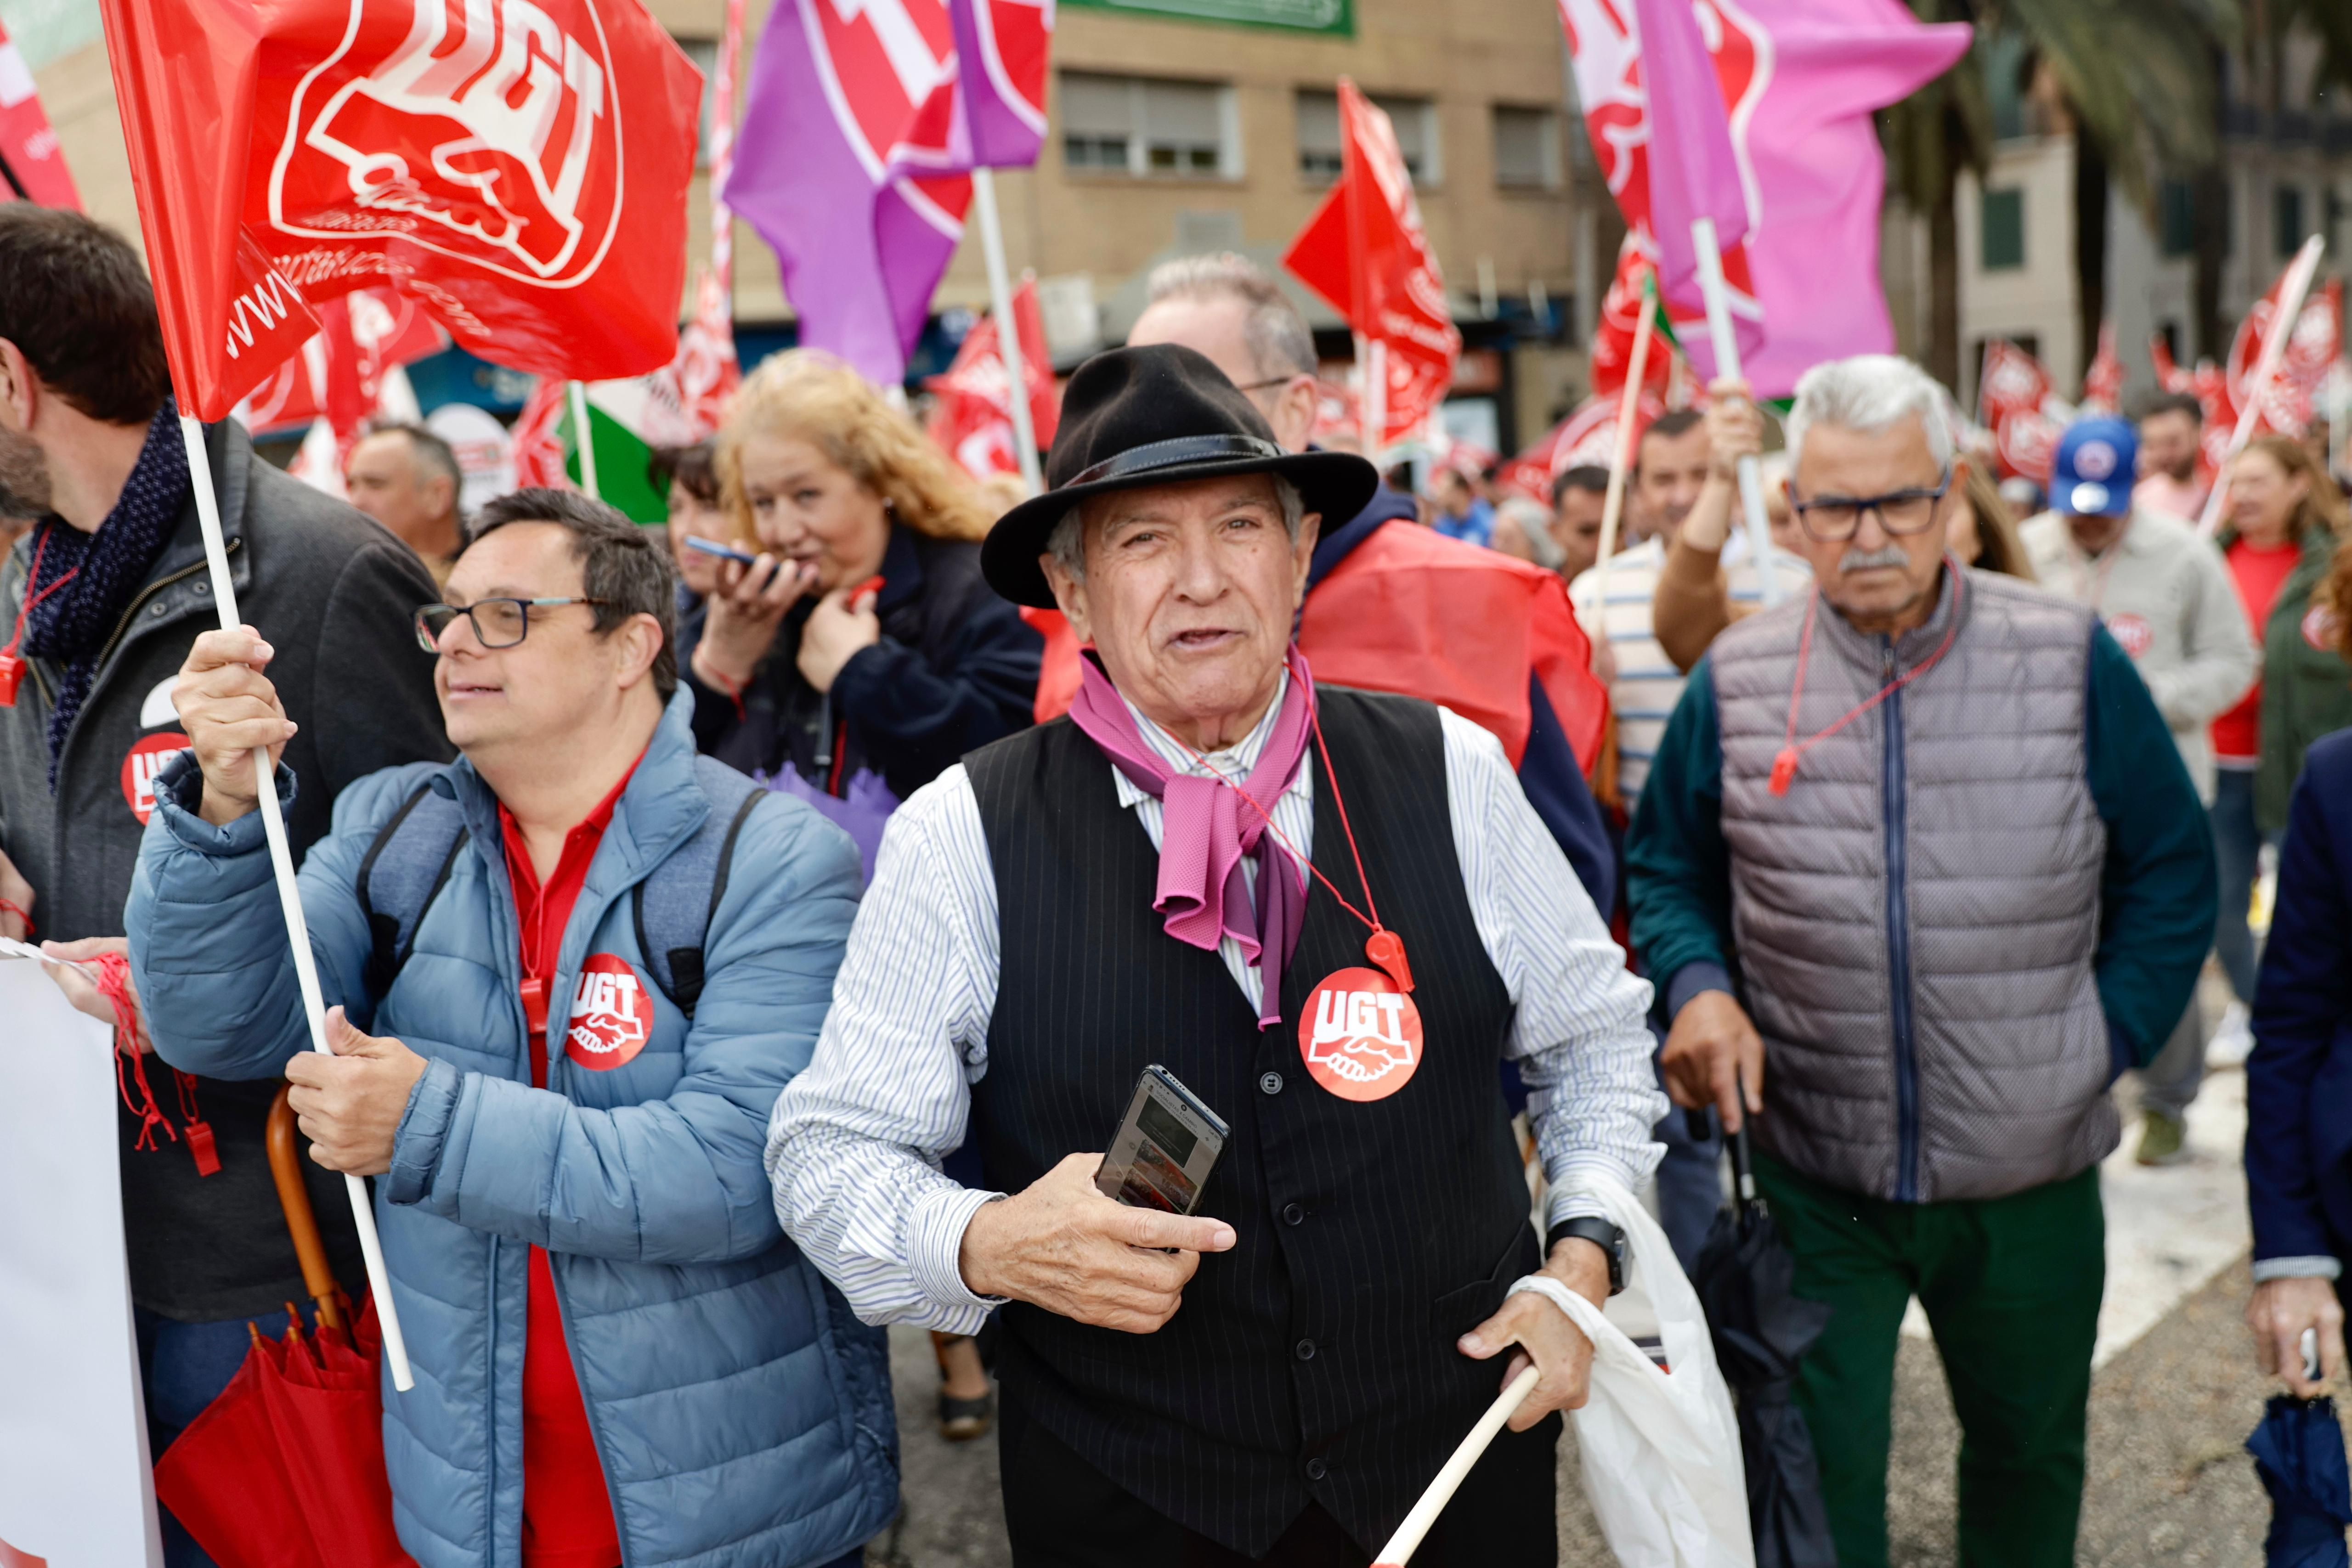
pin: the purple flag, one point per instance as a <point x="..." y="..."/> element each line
<point x="846" y="167"/>
<point x="865" y="118"/>
<point x="1002" y="48"/>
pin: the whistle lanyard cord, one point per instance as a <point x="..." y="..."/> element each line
<point x="1372" y="920"/>
<point x="33" y="594"/>
<point x="1793" y="748"/>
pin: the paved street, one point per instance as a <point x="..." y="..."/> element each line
<point x="2172" y="1403"/>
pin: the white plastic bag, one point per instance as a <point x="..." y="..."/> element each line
<point x="1660" y="1450"/>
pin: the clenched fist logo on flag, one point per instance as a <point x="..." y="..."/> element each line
<point x="519" y="167"/>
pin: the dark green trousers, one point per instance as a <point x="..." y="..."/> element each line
<point x="2011" y="1288"/>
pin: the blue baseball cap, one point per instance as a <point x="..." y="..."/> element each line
<point x="2098" y="460"/>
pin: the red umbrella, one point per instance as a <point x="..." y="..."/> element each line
<point x="285" y="1469"/>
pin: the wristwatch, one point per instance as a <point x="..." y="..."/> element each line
<point x="1601" y="1234"/>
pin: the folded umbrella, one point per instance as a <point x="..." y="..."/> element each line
<point x="2299" y="1452"/>
<point x="285" y="1469"/>
<point x="1747" y="1281"/>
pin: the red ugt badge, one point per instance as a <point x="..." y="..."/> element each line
<point x="1360" y="1035"/>
<point x="612" y="1017"/>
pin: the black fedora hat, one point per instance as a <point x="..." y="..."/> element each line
<point x="1137" y="418"/>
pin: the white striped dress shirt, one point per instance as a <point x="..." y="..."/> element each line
<point x="855" y="1141"/>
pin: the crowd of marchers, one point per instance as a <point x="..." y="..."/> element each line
<point x="741" y="939"/>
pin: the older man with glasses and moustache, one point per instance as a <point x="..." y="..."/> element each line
<point x="559" y="1027"/>
<point x="1920" y="872"/>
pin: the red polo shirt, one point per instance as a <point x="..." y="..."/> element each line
<point x="567" y="1513"/>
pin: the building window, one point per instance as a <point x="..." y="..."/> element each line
<point x="1415" y="119"/>
<point x="1145" y="127"/>
<point x="1527" y="148"/>
<point x="2176" y="217"/>
<point x="2288" y="233"/>
<point x="704" y="53"/>
<point x="2000" y="242"/>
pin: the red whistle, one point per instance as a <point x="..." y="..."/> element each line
<point x="1784" y="771"/>
<point x="871" y="585"/>
<point x="1385" y="948"/>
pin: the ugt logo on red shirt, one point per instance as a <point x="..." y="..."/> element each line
<point x="611" y="1016"/>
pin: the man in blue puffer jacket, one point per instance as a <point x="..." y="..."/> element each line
<point x="619" y="1357"/>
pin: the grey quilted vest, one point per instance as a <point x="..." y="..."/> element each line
<point x="1915" y="920"/>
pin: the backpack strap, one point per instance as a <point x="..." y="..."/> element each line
<point x="674" y="903"/>
<point x="395" y="889"/>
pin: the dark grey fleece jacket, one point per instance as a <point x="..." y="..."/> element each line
<point x="332" y="592"/>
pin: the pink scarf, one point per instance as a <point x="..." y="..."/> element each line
<point x="1202" y="894"/>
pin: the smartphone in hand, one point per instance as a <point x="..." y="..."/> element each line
<point x="1164" y="1149"/>
<point x="724" y="552"/>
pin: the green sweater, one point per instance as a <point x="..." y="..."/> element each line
<point x="2157" y="894"/>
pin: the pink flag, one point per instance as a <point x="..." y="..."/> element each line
<point x="1696" y="171"/>
<point x="31" y="167"/>
<point x="1798" y="81"/>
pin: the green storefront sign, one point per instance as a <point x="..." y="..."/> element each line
<point x="1336" y="16"/>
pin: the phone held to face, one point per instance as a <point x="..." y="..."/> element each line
<point x="1165" y="1148"/>
<point x="724" y="552"/>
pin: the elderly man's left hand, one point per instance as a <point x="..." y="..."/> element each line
<point x="350" y="1104"/>
<point x="1545" y="1336"/>
<point x="842" y="624"/>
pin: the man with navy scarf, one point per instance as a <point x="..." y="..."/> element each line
<point x="101" y="600"/>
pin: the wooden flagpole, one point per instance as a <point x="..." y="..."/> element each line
<point x="1629" y="406"/>
<point x="290" y="899"/>
<point x="1407" y="1539"/>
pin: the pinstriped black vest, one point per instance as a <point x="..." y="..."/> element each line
<point x="1317" y="1359"/>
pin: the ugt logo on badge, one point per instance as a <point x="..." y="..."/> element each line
<point x="479" y="128"/>
<point x="612" y="1017"/>
<point x="1360" y="1035"/>
<point x="142" y="765"/>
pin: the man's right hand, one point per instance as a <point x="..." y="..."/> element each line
<point x="15" y="903"/>
<point x="1711" y="1052"/>
<point x="743" y="615"/>
<point x="1061" y="1245"/>
<point x="2279" y="1312"/>
<point x="229" y="708"/>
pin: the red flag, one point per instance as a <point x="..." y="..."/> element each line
<point x="972" y="420"/>
<point x="2103" y="384"/>
<point x="31" y="167"/>
<point x="339" y="374"/>
<point x="521" y="170"/>
<point x="2011" y="390"/>
<point x="1620" y="316"/>
<point x="539" y="454"/>
<point x="1588" y="436"/>
<point x="1365" y="252"/>
<point x="2315" y="344"/>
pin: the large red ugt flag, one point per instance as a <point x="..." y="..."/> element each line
<point x="519" y="167"/>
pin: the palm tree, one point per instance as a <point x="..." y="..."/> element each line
<point x="2134" y="77"/>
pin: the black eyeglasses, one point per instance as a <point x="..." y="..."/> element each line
<point x="1269" y="381"/>
<point x="1833" y="519"/>
<point x="498" y="623"/>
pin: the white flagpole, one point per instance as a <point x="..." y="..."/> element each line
<point x="1008" y="331"/>
<point x="1726" y="364"/>
<point x="585" y="439"/>
<point x="289" y="901"/>
<point x="2292" y="291"/>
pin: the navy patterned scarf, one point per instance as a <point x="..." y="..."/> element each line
<point x="71" y="626"/>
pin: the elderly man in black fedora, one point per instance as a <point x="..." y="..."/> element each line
<point x="1329" y="914"/>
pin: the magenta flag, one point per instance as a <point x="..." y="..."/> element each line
<point x="1796" y="81"/>
<point x="1002" y="47"/>
<point x="1694" y="173"/>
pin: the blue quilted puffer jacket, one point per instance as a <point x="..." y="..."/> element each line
<point x="743" y="1414"/>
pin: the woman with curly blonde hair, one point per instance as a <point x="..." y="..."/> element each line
<point x="859" y="652"/>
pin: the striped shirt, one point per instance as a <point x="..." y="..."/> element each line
<point x="855" y="1141"/>
<point x="1647" y="686"/>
